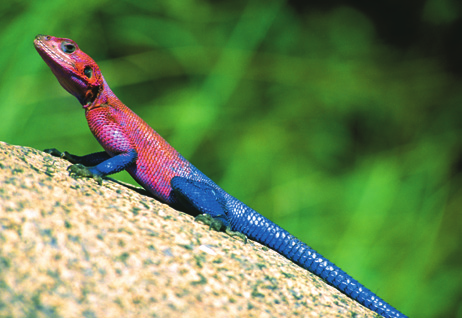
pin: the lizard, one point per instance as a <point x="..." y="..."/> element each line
<point x="130" y="143"/>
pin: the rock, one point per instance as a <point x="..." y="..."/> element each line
<point x="74" y="248"/>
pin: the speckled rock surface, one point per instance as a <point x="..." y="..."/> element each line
<point x="74" y="248"/>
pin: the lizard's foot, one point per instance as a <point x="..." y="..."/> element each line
<point x="56" y="153"/>
<point x="217" y="225"/>
<point x="207" y="219"/>
<point x="80" y="170"/>
<point x="236" y="233"/>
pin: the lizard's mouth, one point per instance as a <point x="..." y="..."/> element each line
<point x="50" y="53"/>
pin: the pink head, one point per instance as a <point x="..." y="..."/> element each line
<point x="75" y="70"/>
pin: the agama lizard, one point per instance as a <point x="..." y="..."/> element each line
<point x="131" y="144"/>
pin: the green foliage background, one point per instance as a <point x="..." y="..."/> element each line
<point x="318" y="116"/>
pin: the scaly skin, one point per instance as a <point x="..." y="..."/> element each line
<point x="131" y="144"/>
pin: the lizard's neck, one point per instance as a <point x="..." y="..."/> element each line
<point x="105" y="96"/>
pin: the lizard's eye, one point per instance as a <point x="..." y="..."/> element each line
<point x="67" y="47"/>
<point x="88" y="71"/>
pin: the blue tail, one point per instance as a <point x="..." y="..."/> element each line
<point x="204" y="196"/>
<point x="262" y="230"/>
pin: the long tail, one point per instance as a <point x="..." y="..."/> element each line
<point x="262" y="230"/>
<point x="201" y="194"/>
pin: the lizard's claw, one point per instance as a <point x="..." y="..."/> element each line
<point x="80" y="170"/>
<point x="56" y="153"/>
<point x="217" y="225"/>
<point x="236" y="233"/>
<point x="207" y="219"/>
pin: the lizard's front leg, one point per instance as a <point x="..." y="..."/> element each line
<point x="106" y="167"/>
<point x="95" y="165"/>
<point x="92" y="159"/>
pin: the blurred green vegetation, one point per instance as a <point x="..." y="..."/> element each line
<point x="339" y="120"/>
